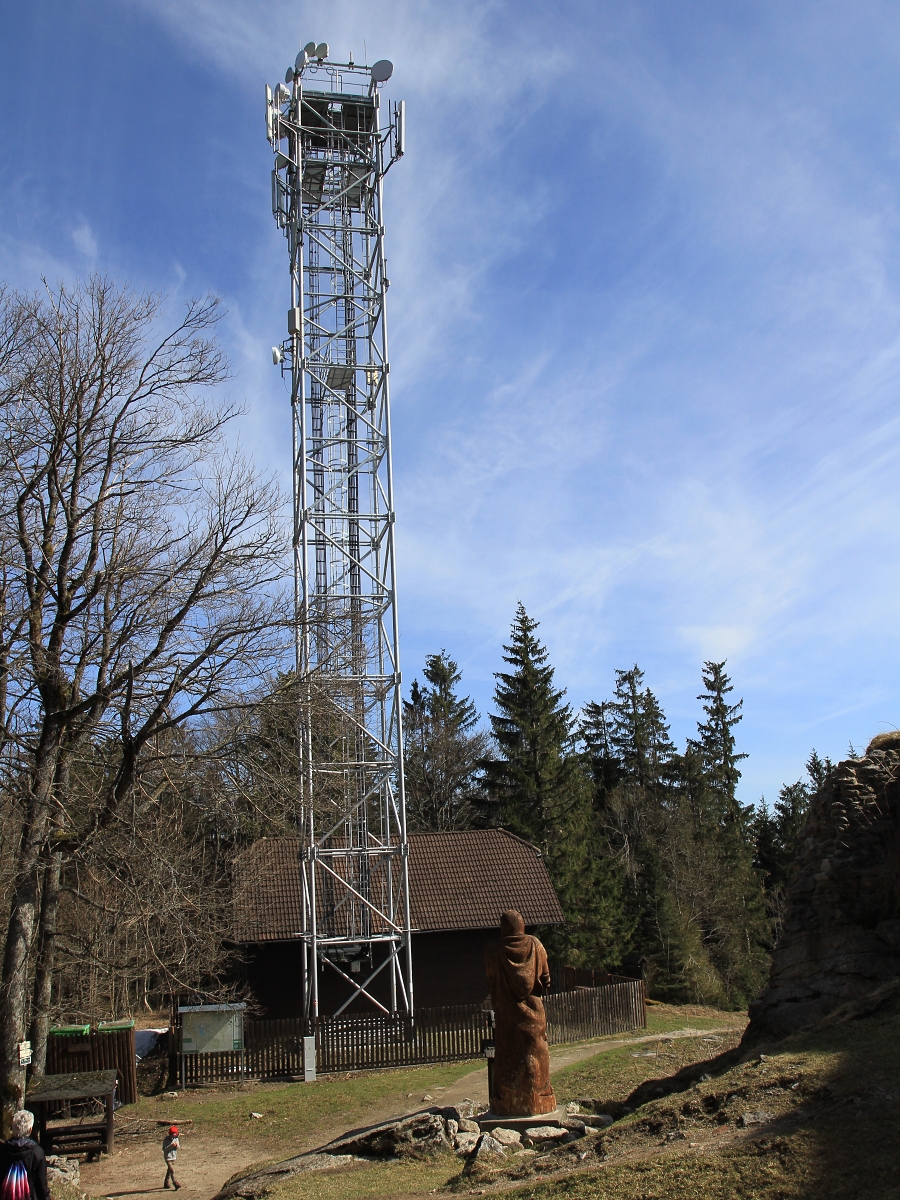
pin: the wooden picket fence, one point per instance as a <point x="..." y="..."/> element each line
<point x="592" y="1012"/>
<point x="273" y="1049"/>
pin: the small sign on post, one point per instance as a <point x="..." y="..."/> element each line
<point x="309" y="1059"/>
<point x="24" y="1054"/>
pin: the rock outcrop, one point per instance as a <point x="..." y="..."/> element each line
<point x="841" y="932"/>
<point x="433" y="1131"/>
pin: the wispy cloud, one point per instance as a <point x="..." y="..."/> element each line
<point x="644" y="314"/>
<point x="84" y="240"/>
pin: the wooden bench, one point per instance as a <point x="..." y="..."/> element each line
<point x="92" y="1138"/>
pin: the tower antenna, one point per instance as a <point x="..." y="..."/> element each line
<point x="333" y="149"/>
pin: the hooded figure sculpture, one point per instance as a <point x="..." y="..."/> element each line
<point x="518" y="975"/>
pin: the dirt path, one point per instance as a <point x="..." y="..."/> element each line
<point x="136" y="1168"/>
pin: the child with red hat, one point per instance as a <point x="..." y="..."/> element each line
<point x="170" y="1152"/>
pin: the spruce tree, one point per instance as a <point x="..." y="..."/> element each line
<point x="596" y="735"/>
<point x="443" y="750"/>
<point x="764" y="832"/>
<point x="629" y="752"/>
<point x="539" y="787"/>
<point x="817" y="769"/>
<point x="715" y="891"/>
<point x="534" y="782"/>
<point x="716" y="741"/>
<point x="639" y="735"/>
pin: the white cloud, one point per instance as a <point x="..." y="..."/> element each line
<point x="84" y="240"/>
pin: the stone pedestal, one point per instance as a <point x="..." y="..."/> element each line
<point x="487" y="1121"/>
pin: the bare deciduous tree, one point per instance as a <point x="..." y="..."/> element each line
<point x="140" y="560"/>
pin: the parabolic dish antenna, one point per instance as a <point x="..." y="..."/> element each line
<point x="289" y="75"/>
<point x="382" y="70"/>
<point x="310" y="49"/>
<point x="322" y="50"/>
<point x="300" y="62"/>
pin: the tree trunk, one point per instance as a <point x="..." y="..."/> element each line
<point x="23" y="919"/>
<point x="43" y="976"/>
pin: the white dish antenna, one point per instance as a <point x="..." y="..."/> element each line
<point x="382" y="70"/>
<point x="289" y="75"/>
<point x="310" y="49"/>
<point x="322" y="50"/>
<point x="300" y="62"/>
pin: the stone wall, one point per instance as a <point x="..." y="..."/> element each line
<point x="841" y="933"/>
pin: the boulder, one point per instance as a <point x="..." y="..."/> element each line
<point x="543" y="1135"/>
<point x="507" y="1137"/>
<point x="749" y="1119"/>
<point x="486" y="1157"/>
<point x="464" y="1143"/>
<point x="424" y="1132"/>
<point x="257" y="1184"/>
<point x="597" y="1120"/>
<point x="489" y="1147"/>
<point x="63" y="1170"/>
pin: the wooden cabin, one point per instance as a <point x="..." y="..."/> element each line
<point x="459" y="885"/>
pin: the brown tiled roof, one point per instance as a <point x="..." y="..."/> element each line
<point x="465" y="880"/>
<point x="458" y="880"/>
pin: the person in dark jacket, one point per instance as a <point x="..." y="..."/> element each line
<point x="23" y="1168"/>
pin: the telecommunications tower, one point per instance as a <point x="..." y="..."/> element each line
<point x="333" y="147"/>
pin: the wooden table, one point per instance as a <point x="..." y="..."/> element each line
<point x="91" y="1138"/>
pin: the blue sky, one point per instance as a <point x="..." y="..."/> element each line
<point x="645" y="312"/>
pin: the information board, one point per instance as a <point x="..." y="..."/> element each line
<point x="212" y="1027"/>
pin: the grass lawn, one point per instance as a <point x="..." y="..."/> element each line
<point x="612" y="1075"/>
<point x="814" y="1116"/>
<point x="667" y="1018"/>
<point x="392" y="1179"/>
<point x="608" y="1073"/>
<point x="295" y="1116"/>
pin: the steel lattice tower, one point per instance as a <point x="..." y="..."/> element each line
<point x="332" y="151"/>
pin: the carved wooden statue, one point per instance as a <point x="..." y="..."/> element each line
<point x="518" y="975"/>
